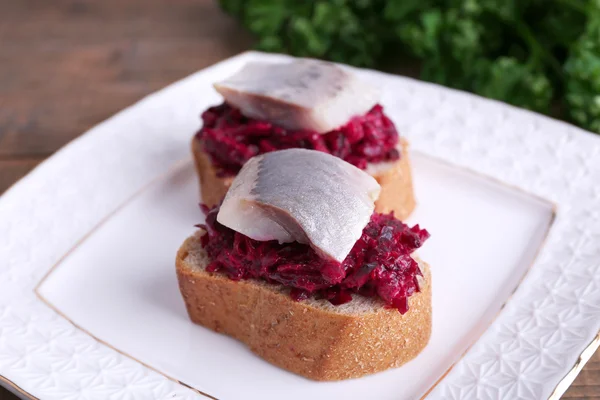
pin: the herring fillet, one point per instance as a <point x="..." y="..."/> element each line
<point x="302" y="94"/>
<point x="301" y="195"/>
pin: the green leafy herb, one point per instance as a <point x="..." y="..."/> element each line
<point x="582" y="74"/>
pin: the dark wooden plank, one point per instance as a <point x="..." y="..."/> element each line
<point x="6" y="395"/>
<point x="12" y="170"/>
<point x="65" y="65"/>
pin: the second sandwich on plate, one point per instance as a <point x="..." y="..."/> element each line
<point x="296" y="264"/>
<point x="302" y="104"/>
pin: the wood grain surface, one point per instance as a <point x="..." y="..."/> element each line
<point x="66" y="65"/>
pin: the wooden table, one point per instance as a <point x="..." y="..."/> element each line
<point x="66" y="65"/>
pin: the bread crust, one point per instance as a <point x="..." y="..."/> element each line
<point x="309" y="338"/>
<point x="395" y="179"/>
<point x="212" y="187"/>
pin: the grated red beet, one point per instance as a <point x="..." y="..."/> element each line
<point x="232" y="139"/>
<point x="380" y="263"/>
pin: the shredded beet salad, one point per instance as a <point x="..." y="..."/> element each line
<point x="232" y="139"/>
<point x="380" y="263"/>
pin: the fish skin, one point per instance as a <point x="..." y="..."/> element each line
<point x="301" y="195"/>
<point x="302" y="94"/>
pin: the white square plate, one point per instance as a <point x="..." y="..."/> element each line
<point x="505" y="193"/>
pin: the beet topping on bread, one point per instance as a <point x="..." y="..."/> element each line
<point x="296" y="238"/>
<point x="302" y="104"/>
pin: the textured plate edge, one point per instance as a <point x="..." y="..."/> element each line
<point x="101" y="341"/>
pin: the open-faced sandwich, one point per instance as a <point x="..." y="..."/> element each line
<point x="296" y="264"/>
<point x="302" y="104"/>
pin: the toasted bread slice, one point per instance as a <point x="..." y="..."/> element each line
<point x="395" y="179"/>
<point x="312" y="338"/>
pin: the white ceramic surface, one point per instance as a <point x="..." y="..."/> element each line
<point x="118" y="283"/>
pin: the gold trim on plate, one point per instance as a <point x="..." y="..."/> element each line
<point x="8" y="383"/>
<point x="568" y="380"/>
